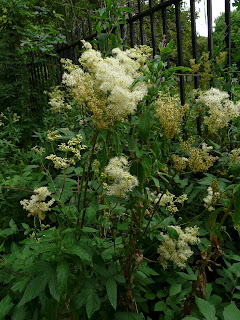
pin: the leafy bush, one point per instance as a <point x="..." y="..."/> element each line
<point x="131" y="214"/>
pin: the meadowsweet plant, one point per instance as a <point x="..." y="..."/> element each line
<point x="221" y="110"/>
<point x="131" y="214"/>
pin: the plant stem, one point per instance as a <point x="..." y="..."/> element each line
<point x="87" y="179"/>
<point x="157" y="204"/>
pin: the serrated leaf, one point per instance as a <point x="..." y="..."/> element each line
<point x="36" y="286"/>
<point x="119" y="278"/>
<point x="231" y="312"/>
<point x="128" y="316"/>
<point x="236" y="212"/>
<point x="160" y="306"/>
<point x="7" y="232"/>
<point x="172" y="232"/>
<point x="89" y="230"/>
<point x="111" y="287"/>
<point x="186" y="276"/>
<point x="13" y="225"/>
<point x="53" y="288"/>
<point x="93" y="304"/>
<point x="145" y="124"/>
<point x="175" y="289"/>
<point x="62" y="276"/>
<point x="19" y="285"/>
<point x="79" y="251"/>
<point x="235" y="268"/>
<point x="19" y="313"/>
<point x="5" y="306"/>
<point x="206" y="309"/>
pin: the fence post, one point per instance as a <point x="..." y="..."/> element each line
<point x="153" y="29"/>
<point x="228" y="30"/>
<point x="195" y="56"/>
<point x="179" y="49"/>
<point x="132" y="37"/>
<point x="141" y="22"/>
<point x="210" y="30"/>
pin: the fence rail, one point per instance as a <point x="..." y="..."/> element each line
<point x="83" y="30"/>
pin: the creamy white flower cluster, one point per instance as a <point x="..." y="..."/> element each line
<point x="16" y="117"/>
<point x="112" y="76"/>
<point x="60" y="163"/>
<point x="57" y="101"/>
<point x="37" y="205"/>
<point x="169" y="200"/>
<point x="235" y="156"/>
<point x="117" y="169"/>
<point x="38" y="151"/>
<point x="213" y="196"/>
<point x="53" y="135"/>
<point x="178" y="251"/>
<point x="221" y="110"/>
<point x="74" y="145"/>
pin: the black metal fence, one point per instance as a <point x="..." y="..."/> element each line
<point x="133" y="32"/>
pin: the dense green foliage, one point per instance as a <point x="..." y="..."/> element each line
<point x="219" y="36"/>
<point x="114" y="205"/>
<point x="96" y="255"/>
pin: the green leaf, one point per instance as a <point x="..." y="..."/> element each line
<point x="231" y="312"/>
<point x="89" y="230"/>
<point x="20" y="285"/>
<point x="190" y="318"/>
<point x="172" y="232"/>
<point x="111" y="286"/>
<point x="62" y="276"/>
<point x="236" y="212"/>
<point x="150" y="296"/>
<point x="13" y="225"/>
<point x="7" y="232"/>
<point x="160" y="306"/>
<point x="79" y="251"/>
<point x="175" y="289"/>
<point x="5" y="306"/>
<point x="35" y="287"/>
<point x="144" y="126"/>
<point x="206" y="309"/>
<point x="128" y="316"/>
<point x="119" y="278"/>
<point x="53" y="288"/>
<point x="19" y="313"/>
<point x="93" y="304"/>
<point x="235" y="268"/>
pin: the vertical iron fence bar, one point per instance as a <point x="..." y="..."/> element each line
<point x="164" y="21"/>
<point x="165" y="30"/>
<point x="122" y="36"/>
<point x="41" y="72"/>
<point x="228" y="30"/>
<point x="132" y="36"/>
<point x="179" y="49"/>
<point x="83" y="29"/>
<point x="141" y="23"/>
<point x="194" y="39"/>
<point x="69" y="50"/>
<point x="45" y="70"/>
<point x="89" y="24"/>
<point x="73" y="39"/>
<point x="61" y="55"/>
<point x="58" y="72"/>
<point x="79" y="36"/>
<point x="210" y="29"/>
<point x="195" y="56"/>
<point x="153" y="29"/>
